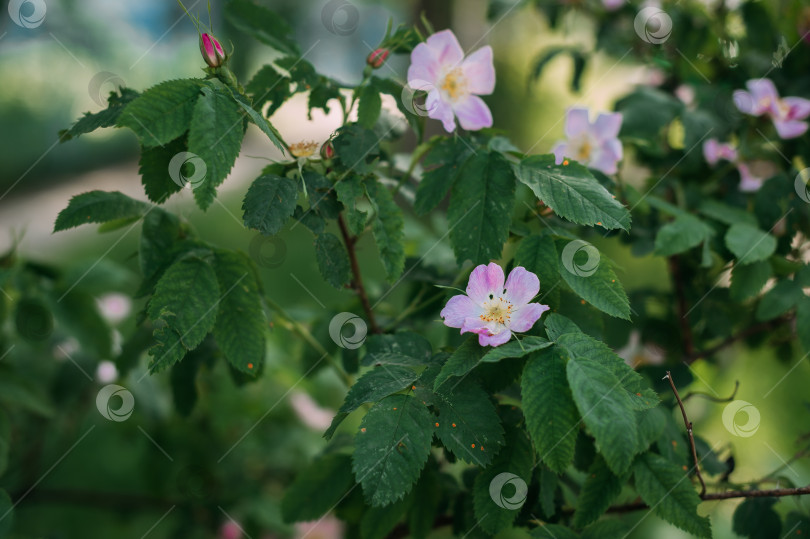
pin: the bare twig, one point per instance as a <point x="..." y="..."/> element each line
<point x="689" y="432"/>
<point x="712" y="397"/>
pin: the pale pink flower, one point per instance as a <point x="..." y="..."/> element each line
<point x="309" y="412"/>
<point x="327" y="527"/>
<point x="230" y="530"/>
<point x="754" y="173"/>
<point x="596" y="144"/>
<point x="714" y="151"/>
<point x="114" y="307"/>
<point x="786" y="113"/>
<point x="452" y="81"/>
<point x="106" y="372"/>
<point x="493" y="309"/>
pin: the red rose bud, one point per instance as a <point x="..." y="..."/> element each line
<point x="327" y="150"/>
<point x="211" y="50"/>
<point x="377" y="58"/>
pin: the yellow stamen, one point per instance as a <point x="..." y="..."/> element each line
<point x="454" y="84"/>
<point x="305" y="148"/>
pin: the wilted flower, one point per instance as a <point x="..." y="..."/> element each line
<point x="306" y="148"/>
<point x="211" y="50"/>
<point x="452" y="81"/>
<point x="787" y="113"/>
<point x="593" y="144"/>
<point x="377" y="58"/>
<point x="494" y="310"/>
<point x="714" y="151"/>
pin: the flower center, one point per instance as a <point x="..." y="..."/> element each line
<point x="454" y="84"/>
<point x="497" y="310"/>
<point x="584" y="152"/>
<point x="304" y="148"/>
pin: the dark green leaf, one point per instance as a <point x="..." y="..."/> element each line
<point x="778" y="300"/>
<point x="463" y="360"/>
<point x="725" y="213"/>
<point x="515" y="349"/>
<point x="682" y="234"/>
<point x="593" y="279"/>
<point x="403" y="348"/>
<point x="369" y="106"/>
<point x="6" y="514"/>
<point x="748" y="279"/>
<point x="356" y="148"/>
<point x="260" y="121"/>
<point x="163" y="112"/>
<point x="105" y="118"/>
<point x="263" y="24"/>
<point x="269" y="202"/>
<point x="154" y="168"/>
<point x="557" y="324"/>
<point x="388" y="230"/>
<point x="348" y="190"/>
<point x="5" y="441"/>
<point x="572" y="192"/>
<point x="98" y="207"/>
<point x="318" y="488"/>
<point x="480" y="208"/>
<point x="539" y="255"/>
<point x="333" y="262"/>
<point x="600" y="489"/>
<point x="443" y="164"/>
<point x="269" y="86"/>
<point x="377" y="522"/>
<point x="427" y="497"/>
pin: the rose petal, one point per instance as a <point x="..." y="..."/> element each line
<point x="607" y="157"/>
<point x="473" y="114"/>
<point x="458" y="309"/>
<point x="560" y="150"/>
<point x="607" y="125"/>
<point x="521" y="286"/>
<point x="762" y="90"/>
<point x="476" y="324"/>
<point x="790" y="129"/>
<point x="479" y="71"/>
<point x="526" y="316"/>
<point x="576" y="122"/>
<point x="424" y="67"/>
<point x="798" y="107"/>
<point x="485" y="280"/>
<point x="744" y="102"/>
<point x="748" y="182"/>
<point x="711" y="151"/>
<point x="445" y="48"/>
<point x="494" y="340"/>
<point x="440" y="110"/>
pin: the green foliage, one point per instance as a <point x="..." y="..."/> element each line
<point x="749" y="244"/>
<point x="349" y="189"/>
<point x="105" y="118"/>
<point x="539" y="255"/>
<point x="5" y="441"/>
<point x="263" y="24"/>
<point x="369" y="106"/>
<point x="269" y="202"/>
<point x="572" y="192"/>
<point x="515" y="349"/>
<point x="163" y="112"/>
<point x="748" y="279"/>
<point x="443" y="164"/>
<point x="154" y="168"/>
<point x="778" y="300"/>
<point x="403" y="348"/>
<point x="551" y="415"/>
<point x="356" y="148"/>
<point x="388" y="230"/>
<point x="98" y="207"/>
<point x="464" y="359"/>
<point x="480" y="205"/>
<point x="682" y="234"/>
<point x="757" y="519"/>
<point x="333" y="262"/>
<point x="393" y="445"/>
<point x="318" y="489"/>
<point x="601" y="288"/>
<point x="666" y="488"/>
<point x="600" y="490"/>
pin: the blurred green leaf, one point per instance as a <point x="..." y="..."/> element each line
<point x="317" y="489"/>
<point x="749" y="244"/>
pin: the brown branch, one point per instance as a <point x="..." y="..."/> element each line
<point x="680" y="294"/>
<point x="357" y="281"/>
<point x="775" y="493"/>
<point x="689" y="432"/>
<point x="713" y="398"/>
<point x="744" y="334"/>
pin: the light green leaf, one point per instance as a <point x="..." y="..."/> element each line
<point x="269" y="202"/>
<point x="98" y="207"/>
<point x="682" y="234"/>
<point x="333" y="262"/>
<point x="572" y="192"/>
<point x="480" y="208"/>
<point x="393" y="445"/>
<point x="260" y="121"/>
<point x="748" y="279"/>
<point x="215" y="136"/>
<point x="725" y="213"/>
<point x="557" y="324"/>
<point x="551" y="415"/>
<point x="163" y="112"/>
<point x="779" y="300"/>
<point x="318" y="488"/>
<point x="598" y="286"/>
<point x="665" y="487"/>
<point x="749" y="244"/>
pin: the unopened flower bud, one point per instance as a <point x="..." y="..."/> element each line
<point x="327" y="150"/>
<point x="212" y="51"/>
<point x="377" y="58"/>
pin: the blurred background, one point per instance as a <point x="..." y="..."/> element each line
<point x="160" y="474"/>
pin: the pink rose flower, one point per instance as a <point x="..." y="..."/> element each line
<point x="714" y="151"/>
<point x="593" y="144"/>
<point x="754" y="173"/>
<point x="494" y="310"/>
<point x="453" y="82"/>
<point x="786" y="113"/>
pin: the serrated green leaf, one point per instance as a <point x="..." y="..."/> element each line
<point x="443" y="165"/>
<point x="403" y="348"/>
<point x="666" y="488"/>
<point x="651" y="424"/>
<point x="98" y="207"/>
<point x="168" y="348"/>
<point x="263" y="24"/>
<point x="318" y="488"/>
<point x="598" y="286"/>
<point x="163" y="112"/>
<point x="154" y="168"/>
<point x="682" y="234"/>
<point x="269" y="202"/>
<point x="748" y="279"/>
<point x="373" y="386"/>
<point x="600" y="489"/>
<point x="105" y="118"/>
<point x="269" y="86"/>
<point x="539" y="255"/>
<point x="515" y="349"/>
<point x="186" y="298"/>
<point x="749" y="244"/>
<point x="333" y="262"/>
<point x="259" y="121"/>
<point x="393" y="445"/>
<point x="468" y="424"/>
<point x="778" y="300"/>
<point x="557" y="324"/>
<point x="480" y="208"/>
<point x="606" y="409"/>
<point x="369" y="106"/>
<point x="356" y="148"/>
<point x="322" y="197"/>
<point x="388" y="228"/>
<point x="397" y="91"/>
<point x="466" y="357"/>
<point x="348" y="190"/>
<point x="551" y="415"/>
<point x="160" y="232"/>
<point x="580" y="345"/>
<point x="572" y="192"/>
<point x="241" y="323"/>
<point x="496" y="508"/>
<point x="215" y="136"/>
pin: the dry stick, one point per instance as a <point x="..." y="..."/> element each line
<point x="357" y="280"/>
<point x="689" y="432"/>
